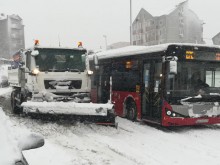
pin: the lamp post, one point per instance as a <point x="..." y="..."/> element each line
<point x="105" y="41"/>
<point x="131" y="22"/>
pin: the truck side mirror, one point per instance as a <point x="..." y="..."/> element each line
<point x="34" y="53"/>
<point x="96" y="61"/>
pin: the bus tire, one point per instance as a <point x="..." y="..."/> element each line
<point x="131" y="111"/>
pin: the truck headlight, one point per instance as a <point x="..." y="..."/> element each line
<point x="35" y="71"/>
<point x="90" y="72"/>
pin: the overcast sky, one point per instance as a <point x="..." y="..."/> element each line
<point x="89" y="20"/>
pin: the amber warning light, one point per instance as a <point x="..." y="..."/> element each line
<point x="36" y="42"/>
<point x="79" y="44"/>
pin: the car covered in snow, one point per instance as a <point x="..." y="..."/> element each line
<point x="4" y="76"/>
<point x="14" y="141"/>
<point x="3" y="81"/>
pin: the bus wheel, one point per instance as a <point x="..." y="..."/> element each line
<point x="131" y="111"/>
<point x="14" y="103"/>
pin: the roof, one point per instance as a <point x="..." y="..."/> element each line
<point x="136" y="50"/>
<point x="216" y="36"/>
<point x="45" y="47"/>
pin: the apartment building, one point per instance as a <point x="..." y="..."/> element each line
<point x="11" y="35"/>
<point x="181" y="25"/>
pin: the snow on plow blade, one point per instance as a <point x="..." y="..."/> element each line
<point x="97" y="113"/>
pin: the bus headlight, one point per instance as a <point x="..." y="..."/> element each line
<point x="35" y="71"/>
<point x="172" y="113"/>
<point x="90" y="72"/>
<point x="169" y="113"/>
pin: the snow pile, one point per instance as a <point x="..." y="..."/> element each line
<point x="14" y="140"/>
<point x="9" y="149"/>
<point x="6" y="92"/>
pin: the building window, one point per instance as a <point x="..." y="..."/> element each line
<point x="181" y="32"/>
<point x="181" y="21"/>
<point x="147" y="23"/>
<point x="181" y="11"/>
<point x="151" y="22"/>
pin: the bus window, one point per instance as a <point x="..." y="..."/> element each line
<point x="193" y="79"/>
<point x="213" y="77"/>
<point x="157" y="76"/>
<point x="124" y="79"/>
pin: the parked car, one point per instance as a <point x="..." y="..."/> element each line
<point x="12" y="145"/>
<point x="3" y="81"/>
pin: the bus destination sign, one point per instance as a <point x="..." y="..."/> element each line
<point x="201" y="55"/>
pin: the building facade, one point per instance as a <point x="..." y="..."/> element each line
<point x="216" y="39"/>
<point x="182" y="25"/>
<point x="11" y="35"/>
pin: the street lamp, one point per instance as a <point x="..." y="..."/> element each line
<point x="105" y="41"/>
<point x="131" y="22"/>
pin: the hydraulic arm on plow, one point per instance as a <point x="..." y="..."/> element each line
<point x="55" y="82"/>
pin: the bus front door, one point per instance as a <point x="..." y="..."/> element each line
<point x="151" y="101"/>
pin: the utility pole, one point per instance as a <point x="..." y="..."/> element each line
<point x="131" y="22"/>
<point x="106" y="45"/>
<point x="59" y="40"/>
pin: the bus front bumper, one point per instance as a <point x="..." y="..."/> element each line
<point x="180" y="121"/>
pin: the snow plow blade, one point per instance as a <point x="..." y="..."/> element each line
<point x="102" y="114"/>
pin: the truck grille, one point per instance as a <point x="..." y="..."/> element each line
<point x="70" y="84"/>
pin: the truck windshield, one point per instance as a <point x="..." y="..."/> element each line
<point x="194" y="78"/>
<point x="60" y="60"/>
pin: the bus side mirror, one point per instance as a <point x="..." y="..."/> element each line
<point x="173" y="67"/>
<point x="96" y="61"/>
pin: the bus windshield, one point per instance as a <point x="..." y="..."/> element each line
<point x="60" y="60"/>
<point x="194" y="78"/>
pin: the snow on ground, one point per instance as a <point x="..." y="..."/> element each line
<point x="13" y="140"/>
<point x="133" y="143"/>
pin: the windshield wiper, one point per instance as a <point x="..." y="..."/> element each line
<point x="202" y="98"/>
<point x="75" y="70"/>
<point x="53" y="70"/>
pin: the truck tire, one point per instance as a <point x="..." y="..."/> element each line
<point x="14" y="102"/>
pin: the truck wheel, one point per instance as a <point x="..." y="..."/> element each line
<point x="15" y="103"/>
<point x="131" y="111"/>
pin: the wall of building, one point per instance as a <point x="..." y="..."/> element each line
<point x="12" y="35"/>
<point x="4" y="39"/>
<point x="216" y="39"/>
<point x="181" y="25"/>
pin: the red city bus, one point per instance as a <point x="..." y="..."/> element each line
<point x="168" y="84"/>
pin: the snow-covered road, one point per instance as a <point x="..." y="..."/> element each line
<point x="132" y="143"/>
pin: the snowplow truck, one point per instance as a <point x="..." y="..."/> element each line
<point x="55" y="83"/>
